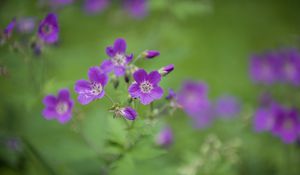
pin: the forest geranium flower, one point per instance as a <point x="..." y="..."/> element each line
<point x="290" y="66"/>
<point x="95" y="6"/>
<point x="136" y="8"/>
<point x="10" y="28"/>
<point x="126" y="112"/>
<point x="118" y="59"/>
<point x="146" y="86"/>
<point x="26" y="25"/>
<point x="151" y="54"/>
<point x="92" y="89"/>
<point x="165" y="137"/>
<point x="227" y="106"/>
<point x="166" y="69"/>
<point x="48" y="29"/>
<point x="59" y="107"/>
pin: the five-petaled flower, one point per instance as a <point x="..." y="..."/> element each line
<point x="92" y="89"/>
<point x="146" y="86"/>
<point x="59" y="107"/>
<point x="48" y="29"/>
<point x="118" y="60"/>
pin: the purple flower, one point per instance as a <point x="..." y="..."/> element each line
<point x="172" y="95"/>
<point x="164" y="137"/>
<point x="48" y="29"/>
<point x="151" y="54"/>
<point x="126" y="112"/>
<point x="10" y="28"/>
<point x="136" y="8"/>
<point x="26" y="25"/>
<point x="166" y="70"/>
<point x="118" y="59"/>
<point x="264" y="119"/>
<point x="146" y="86"/>
<point x="95" y="6"/>
<point x="59" y="107"/>
<point x="204" y="117"/>
<point x="290" y="66"/>
<point x="265" y="69"/>
<point x="92" y="89"/>
<point x="227" y="106"/>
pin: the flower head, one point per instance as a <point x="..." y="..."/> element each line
<point x="10" y="28"/>
<point x="118" y="59"/>
<point x="92" y="89"/>
<point x="166" y="70"/>
<point x="48" y="29"/>
<point x="26" y="25"/>
<point x="164" y="137"/>
<point x="95" y="6"/>
<point x="264" y="118"/>
<point x="149" y="54"/>
<point x="227" y="106"/>
<point x="146" y="86"/>
<point x="136" y="8"/>
<point x="59" y="107"/>
<point x="126" y="112"/>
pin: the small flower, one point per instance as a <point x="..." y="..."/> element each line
<point x="126" y="112"/>
<point x="10" y="28"/>
<point x="290" y="66"/>
<point x="166" y="70"/>
<point x="26" y="25"/>
<point x="151" y="54"/>
<point x="164" y="137"/>
<point x="92" y="89"/>
<point x="146" y="86"/>
<point x="227" y="106"/>
<point x="95" y="6"/>
<point x="136" y="8"/>
<point x="118" y="59"/>
<point x="48" y="29"/>
<point x="59" y="107"/>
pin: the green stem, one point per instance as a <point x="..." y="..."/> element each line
<point x="110" y="99"/>
<point x="138" y="58"/>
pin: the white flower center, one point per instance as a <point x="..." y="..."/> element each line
<point x="61" y="108"/>
<point x="146" y="87"/>
<point x="119" y="60"/>
<point x="96" y="88"/>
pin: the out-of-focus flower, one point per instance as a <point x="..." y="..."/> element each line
<point x="95" y="6"/>
<point x="265" y="69"/>
<point x="204" y="117"/>
<point x="118" y="59"/>
<point x="10" y="28"/>
<point x="14" y="144"/>
<point x="227" y="106"/>
<point x="172" y="95"/>
<point x="126" y="112"/>
<point x="59" y="3"/>
<point x="146" y="86"/>
<point x="26" y="25"/>
<point x="59" y="107"/>
<point x="166" y="69"/>
<point x="48" y="29"/>
<point x="264" y="118"/>
<point x="149" y="54"/>
<point x="164" y="137"/>
<point x="94" y="88"/>
<point x="136" y="8"/>
<point x="290" y="66"/>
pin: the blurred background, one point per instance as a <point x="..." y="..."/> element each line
<point x="206" y="40"/>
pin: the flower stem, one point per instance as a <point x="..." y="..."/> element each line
<point x="110" y="99"/>
<point x="138" y="58"/>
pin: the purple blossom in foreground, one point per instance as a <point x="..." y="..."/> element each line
<point x="136" y="8"/>
<point x="10" y="28"/>
<point x="94" y="88"/>
<point x="118" y="59"/>
<point x="290" y="66"/>
<point x="59" y="107"/>
<point x="126" y="112"/>
<point x="265" y="68"/>
<point x="151" y="54"/>
<point x="26" y="25"/>
<point x="227" y="106"/>
<point x="164" y="137"/>
<point x="166" y="70"/>
<point x="146" y="86"/>
<point x="48" y="29"/>
<point x="95" y="6"/>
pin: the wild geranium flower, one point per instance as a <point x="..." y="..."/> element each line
<point x="94" y="88"/>
<point x="290" y="66"/>
<point x="118" y="59"/>
<point x="136" y="8"/>
<point x="265" y="68"/>
<point x="59" y="108"/>
<point x="95" y="6"/>
<point x="26" y="25"/>
<point x="126" y="112"/>
<point x="48" y="29"/>
<point x="149" y="54"/>
<point x="227" y="107"/>
<point x="10" y="28"/>
<point x="146" y="86"/>
<point x="166" y="69"/>
<point x="164" y="137"/>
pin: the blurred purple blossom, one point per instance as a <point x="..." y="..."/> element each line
<point x="26" y="25"/>
<point x="48" y="29"/>
<point x="10" y="28"/>
<point x="165" y="137"/>
<point x="136" y="8"/>
<point x="95" y="6"/>
<point x="227" y="107"/>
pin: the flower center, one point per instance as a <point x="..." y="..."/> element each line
<point x="47" y="29"/>
<point x="96" y="88"/>
<point x="119" y="60"/>
<point x="61" y="108"/>
<point x="146" y="87"/>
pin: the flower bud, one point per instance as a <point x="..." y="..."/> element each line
<point x="149" y="54"/>
<point x="126" y="112"/>
<point x="166" y="69"/>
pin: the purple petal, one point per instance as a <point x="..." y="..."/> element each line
<point x="134" y="90"/>
<point x="106" y="66"/>
<point x="82" y="86"/>
<point x="157" y="92"/>
<point x="9" y="28"/>
<point x="96" y="75"/>
<point x="140" y="75"/>
<point x="151" y="54"/>
<point x="101" y="95"/>
<point x="154" y="77"/>
<point x="165" y="137"/>
<point x="129" y="58"/>
<point x="64" y="95"/>
<point x="49" y="113"/>
<point x="146" y="98"/>
<point x="50" y="100"/>
<point x="85" y="99"/>
<point x="119" y="71"/>
<point x="48" y="29"/>
<point x="129" y="113"/>
<point x="120" y="45"/>
<point x="110" y="51"/>
<point x="64" y="118"/>
<point x="95" y="6"/>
